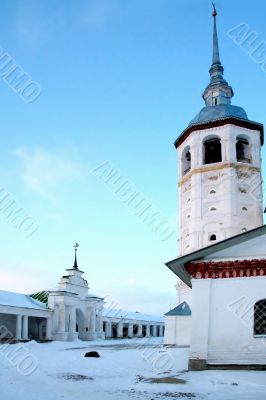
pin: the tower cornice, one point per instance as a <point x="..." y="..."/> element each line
<point x="217" y="167"/>
<point x="221" y="122"/>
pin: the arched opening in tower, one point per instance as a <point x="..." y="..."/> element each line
<point x="186" y="161"/>
<point x="242" y="150"/>
<point x="212" y="151"/>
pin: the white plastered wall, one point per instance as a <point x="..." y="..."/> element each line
<point x="222" y="198"/>
<point x="222" y="321"/>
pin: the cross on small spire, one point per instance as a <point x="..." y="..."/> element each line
<point x="214" y="13"/>
<point x="75" y="262"/>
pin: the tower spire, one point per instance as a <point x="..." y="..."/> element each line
<point x="75" y="266"/>
<point x="215" y="54"/>
<point x="218" y="91"/>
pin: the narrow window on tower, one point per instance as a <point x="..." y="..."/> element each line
<point x="243" y="153"/>
<point x="212" y="151"/>
<point x="186" y="161"/>
<point x="212" y="238"/>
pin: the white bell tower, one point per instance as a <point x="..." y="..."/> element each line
<point x="219" y="164"/>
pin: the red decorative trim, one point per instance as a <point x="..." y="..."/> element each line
<point x="214" y="124"/>
<point x="227" y="269"/>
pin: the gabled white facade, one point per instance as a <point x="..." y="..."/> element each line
<point x="77" y="314"/>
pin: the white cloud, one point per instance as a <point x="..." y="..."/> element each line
<point x="45" y="173"/>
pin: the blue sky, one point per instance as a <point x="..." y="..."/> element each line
<point x="120" y="80"/>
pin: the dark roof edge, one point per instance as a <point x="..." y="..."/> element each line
<point x="179" y="263"/>
<point x="243" y="123"/>
<point x="241" y="237"/>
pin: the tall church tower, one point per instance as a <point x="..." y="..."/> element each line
<point x="219" y="164"/>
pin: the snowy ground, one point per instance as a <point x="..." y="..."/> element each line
<point x="127" y="369"/>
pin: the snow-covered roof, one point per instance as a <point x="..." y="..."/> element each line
<point x="20" y="300"/>
<point x="136" y="316"/>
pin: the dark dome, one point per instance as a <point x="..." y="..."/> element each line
<point x="220" y="111"/>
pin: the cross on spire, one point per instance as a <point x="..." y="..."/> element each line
<point x="75" y="266"/>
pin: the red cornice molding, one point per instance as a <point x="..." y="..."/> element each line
<point x="226" y="269"/>
<point x="214" y="124"/>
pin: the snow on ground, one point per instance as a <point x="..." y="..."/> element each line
<point x="127" y="369"/>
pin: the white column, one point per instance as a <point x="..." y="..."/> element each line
<point x="61" y="319"/>
<point x="48" y="328"/>
<point x="92" y="325"/>
<point x="140" y="330"/>
<point x="25" y="323"/>
<point x="226" y="150"/>
<point x="120" y="329"/>
<point x="161" y="330"/>
<point x="99" y="325"/>
<point x="153" y="330"/>
<point x="106" y="329"/>
<point x="148" y="330"/>
<point x="130" y="330"/>
<point x="18" y="327"/>
<point x="110" y="330"/>
<point x="72" y="325"/>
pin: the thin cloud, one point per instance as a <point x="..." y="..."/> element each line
<point x="35" y="24"/>
<point x="45" y="173"/>
<point x="96" y="14"/>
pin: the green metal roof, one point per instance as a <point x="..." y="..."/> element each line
<point x="41" y="296"/>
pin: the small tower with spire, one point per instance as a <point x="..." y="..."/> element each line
<point x="75" y="266"/>
<point x="74" y="282"/>
<point x="219" y="177"/>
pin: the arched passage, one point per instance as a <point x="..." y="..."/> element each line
<point x="36" y="328"/>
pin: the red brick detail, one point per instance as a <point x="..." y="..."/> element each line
<point x="227" y="269"/>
